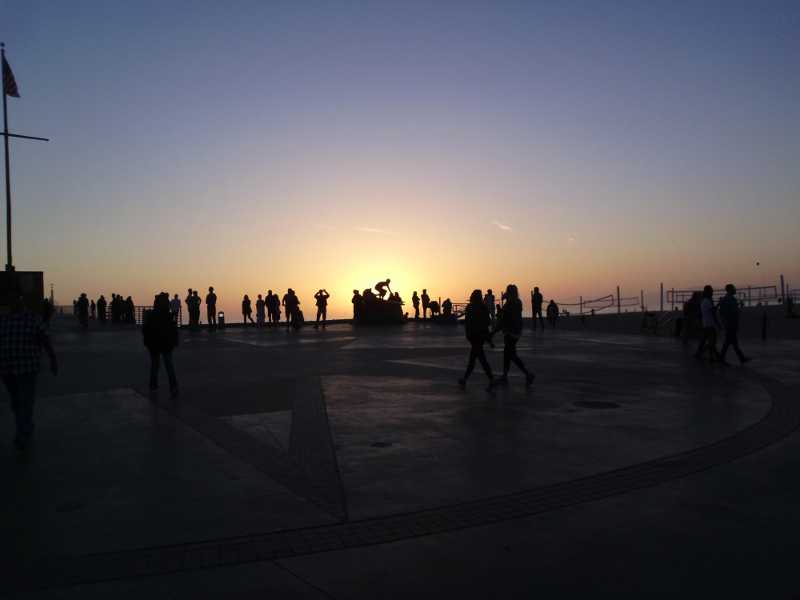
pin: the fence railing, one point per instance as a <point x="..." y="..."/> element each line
<point x="748" y="295"/>
<point x="62" y="310"/>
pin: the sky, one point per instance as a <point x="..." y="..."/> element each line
<point x="576" y="146"/>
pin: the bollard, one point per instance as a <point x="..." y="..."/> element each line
<point x="221" y="320"/>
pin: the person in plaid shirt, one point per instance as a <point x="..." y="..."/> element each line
<point x="23" y="334"/>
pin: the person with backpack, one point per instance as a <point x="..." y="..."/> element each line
<point x="160" y="333"/>
<point x="476" y="325"/>
<point x="729" y="311"/>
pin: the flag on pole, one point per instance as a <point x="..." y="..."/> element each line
<point x="9" y="83"/>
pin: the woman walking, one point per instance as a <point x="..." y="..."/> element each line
<point x="511" y="324"/>
<point x="247" y="310"/>
<point x="476" y="324"/>
<point x="161" y="337"/>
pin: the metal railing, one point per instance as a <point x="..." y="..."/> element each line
<point x="748" y="294"/>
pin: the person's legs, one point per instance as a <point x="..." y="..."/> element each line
<point x="484" y="362"/>
<point x="514" y="357"/>
<point x="319" y="315"/>
<point x="154" y="365"/>
<point x="170" y="367"/>
<point x="699" y="352"/>
<point x="509" y="347"/>
<point x="324" y="316"/>
<point x="712" y="344"/>
<point x="471" y="362"/>
<point x="732" y="338"/>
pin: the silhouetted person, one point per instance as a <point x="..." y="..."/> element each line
<point x="247" y="310"/>
<point x="434" y="308"/>
<point x="291" y="304"/>
<point x="114" y="308"/>
<point x="160" y="334"/>
<point x="476" y="326"/>
<point x="729" y="311"/>
<point x="511" y="325"/>
<point x="274" y="307"/>
<point x="83" y="311"/>
<point x="536" y="302"/>
<point x="447" y="308"/>
<point x="102" y="306"/>
<point x="130" y="310"/>
<point x="196" y="307"/>
<point x="92" y="310"/>
<point x="211" y="308"/>
<point x="321" y="298"/>
<point x="358" y="305"/>
<point x="710" y="324"/>
<point x="426" y="303"/>
<point x="175" y="308"/>
<point x="552" y="313"/>
<point x="396" y="298"/>
<point x="189" y="310"/>
<point x="488" y="300"/>
<point x="260" y="312"/>
<point x="692" y="319"/>
<point x="23" y="335"/>
<point x="382" y="287"/>
<point x="415" y="302"/>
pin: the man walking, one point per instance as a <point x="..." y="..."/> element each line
<point x="729" y="311"/>
<point x="415" y="302"/>
<point x="22" y="337"/>
<point x="211" y="308"/>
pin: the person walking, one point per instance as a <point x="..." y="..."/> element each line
<point x="476" y="325"/>
<point x="415" y="302"/>
<point x="247" y="310"/>
<point x="160" y="333"/>
<point x="321" y="298"/>
<point x="536" y="302"/>
<point x="511" y="325"/>
<point x="710" y="323"/>
<point x="729" y="311"/>
<point x="260" y="312"/>
<point x="23" y="336"/>
<point x="211" y="308"/>
<point x="92" y="310"/>
<point x="426" y="302"/>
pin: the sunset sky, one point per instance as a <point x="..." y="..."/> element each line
<point x="448" y="145"/>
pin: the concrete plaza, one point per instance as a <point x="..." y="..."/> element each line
<point x="347" y="463"/>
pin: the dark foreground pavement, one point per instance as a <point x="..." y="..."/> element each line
<point x="348" y="464"/>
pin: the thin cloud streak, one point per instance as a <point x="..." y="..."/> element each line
<point x="502" y="226"/>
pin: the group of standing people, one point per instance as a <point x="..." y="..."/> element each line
<point x="121" y="310"/>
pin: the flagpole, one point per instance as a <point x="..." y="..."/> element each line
<point x="10" y="263"/>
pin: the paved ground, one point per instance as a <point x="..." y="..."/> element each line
<point x="348" y="463"/>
